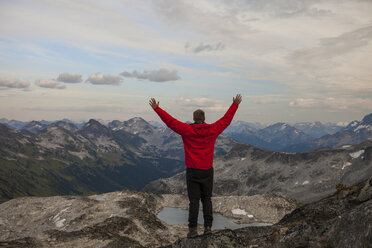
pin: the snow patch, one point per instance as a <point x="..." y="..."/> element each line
<point x="346" y="146"/>
<point x="283" y="127"/>
<point x="354" y="123"/>
<point x="346" y="164"/>
<point x="239" y="211"/>
<point x="242" y="159"/>
<point x="368" y="127"/>
<point x="305" y="182"/>
<point x="57" y="219"/>
<point x="59" y="223"/>
<point x="356" y="154"/>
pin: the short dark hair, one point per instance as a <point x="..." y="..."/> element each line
<point x="199" y="115"/>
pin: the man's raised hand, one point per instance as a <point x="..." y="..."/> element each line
<point x="237" y="99"/>
<point x="153" y="103"/>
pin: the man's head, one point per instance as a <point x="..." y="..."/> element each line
<point x="199" y="115"/>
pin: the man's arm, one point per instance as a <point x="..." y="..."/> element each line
<point x="225" y="121"/>
<point x="174" y="124"/>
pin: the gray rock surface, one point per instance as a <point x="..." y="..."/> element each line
<point x="116" y="219"/>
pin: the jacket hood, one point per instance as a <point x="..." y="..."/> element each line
<point x="202" y="129"/>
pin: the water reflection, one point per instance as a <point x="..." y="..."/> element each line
<point x="179" y="216"/>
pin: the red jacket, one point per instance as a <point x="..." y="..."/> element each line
<point x="198" y="139"/>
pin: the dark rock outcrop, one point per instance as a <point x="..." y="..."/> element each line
<point x="343" y="219"/>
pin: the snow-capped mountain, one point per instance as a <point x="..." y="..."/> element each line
<point x="318" y="129"/>
<point x="360" y="126"/>
<point x="280" y="135"/>
<point x="354" y="133"/>
<point x="66" y="125"/>
<point x="33" y="127"/>
<point x="242" y="127"/>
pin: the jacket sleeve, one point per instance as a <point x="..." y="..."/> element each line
<point x="225" y="121"/>
<point x="174" y="124"/>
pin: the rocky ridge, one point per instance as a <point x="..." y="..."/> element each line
<point x="306" y="177"/>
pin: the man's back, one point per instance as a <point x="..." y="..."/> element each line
<point x="198" y="139"/>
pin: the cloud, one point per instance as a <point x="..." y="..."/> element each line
<point x="88" y="109"/>
<point x="50" y="83"/>
<point x="14" y="83"/>
<point x="161" y="75"/>
<point x="338" y="104"/>
<point x="281" y="9"/>
<point x="264" y="101"/>
<point x="69" y="78"/>
<point x="333" y="47"/>
<point x="100" y="79"/>
<point x="204" y="47"/>
<point x="304" y="103"/>
<point x="201" y="102"/>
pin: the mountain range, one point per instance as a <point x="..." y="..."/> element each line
<point x="354" y="133"/>
<point x="48" y="158"/>
<point x="60" y="158"/>
<point x="298" y="137"/>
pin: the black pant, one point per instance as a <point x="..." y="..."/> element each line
<point x="199" y="186"/>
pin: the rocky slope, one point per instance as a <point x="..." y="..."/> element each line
<point x="92" y="160"/>
<point x="306" y="177"/>
<point x="60" y="158"/>
<point x="343" y="219"/>
<point x="116" y="219"/>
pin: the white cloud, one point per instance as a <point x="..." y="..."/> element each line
<point x="161" y="75"/>
<point x="304" y="103"/>
<point x="14" y="83"/>
<point x="49" y="83"/>
<point x="70" y="78"/>
<point x="201" y="102"/>
<point x="100" y="79"/>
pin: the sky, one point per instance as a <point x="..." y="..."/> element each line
<point x="292" y="61"/>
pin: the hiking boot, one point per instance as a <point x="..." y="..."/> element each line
<point x="207" y="230"/>
<point x="192" y="232"/>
